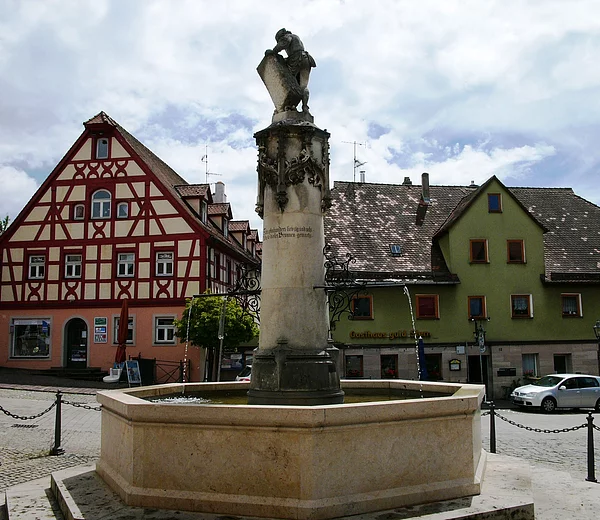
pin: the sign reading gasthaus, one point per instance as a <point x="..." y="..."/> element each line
<point x="367" y="334"/>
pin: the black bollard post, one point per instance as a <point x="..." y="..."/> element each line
<point x="590" y="450"/>
<point x="492" y="427"/>
<point x="57" y="450"/>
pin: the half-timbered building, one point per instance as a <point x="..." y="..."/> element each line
<point x="113" y="221"/>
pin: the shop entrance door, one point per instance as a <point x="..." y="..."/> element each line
<point x="475" y="371"/>
<point x="76" y="337"/>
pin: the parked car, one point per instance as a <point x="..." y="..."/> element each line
<point x="245" y="374"/>
<point x="560" y="391"/>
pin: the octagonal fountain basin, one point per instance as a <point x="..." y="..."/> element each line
<point x="309" y="462"/>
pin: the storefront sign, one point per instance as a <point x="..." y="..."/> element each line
<point x="398" y="334"/>
<point x="100" y="330"/>
<point x="455" y="365"/>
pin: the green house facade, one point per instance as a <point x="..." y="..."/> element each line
<point x="502" y="284"/>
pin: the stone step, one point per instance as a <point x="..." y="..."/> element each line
<point x="32" y="501"/>
<point x="506" y="493"/>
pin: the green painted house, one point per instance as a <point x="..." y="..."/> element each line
<point x="502" y="284"/>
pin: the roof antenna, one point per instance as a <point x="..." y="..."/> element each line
<point x="205" y="161"/>
<point x="357" y="163"/>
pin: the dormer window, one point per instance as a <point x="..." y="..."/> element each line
<point x="225" y="227"/>
<point x="102" y="148"/>
<point x="494" y="203"/>
<point x="244" y="241"/>
<point x="203" y="211"/>
<point x="395" y="249"/>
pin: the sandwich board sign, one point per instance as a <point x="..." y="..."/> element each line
<point x="132" y="367"/>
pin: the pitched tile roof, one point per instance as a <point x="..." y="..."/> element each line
<point x="239" y="225"/>
<point x="366" y="219"/>
<point x="193" y="190"/>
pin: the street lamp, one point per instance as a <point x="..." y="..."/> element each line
<point x="597" y="333"/>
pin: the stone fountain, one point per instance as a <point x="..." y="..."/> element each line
<point x="295" y="450"/>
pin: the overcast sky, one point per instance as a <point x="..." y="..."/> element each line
<point x="457" y="88"/>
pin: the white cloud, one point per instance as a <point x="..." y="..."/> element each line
<point x="17" y="190"/>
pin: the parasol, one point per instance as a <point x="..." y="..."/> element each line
<point x="121" y="355"/>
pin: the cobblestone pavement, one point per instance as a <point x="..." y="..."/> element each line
<point x="25" y="444"/>
<point x="559" y="451"/>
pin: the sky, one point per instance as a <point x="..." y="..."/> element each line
<point x="461" y="89"/>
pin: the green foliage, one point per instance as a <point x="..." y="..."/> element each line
<point x="204" y="325"/>
<point x="4" y="224"/>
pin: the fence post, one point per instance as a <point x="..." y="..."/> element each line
<point x="492" y="427"/>
<point x="181" y="372"/>
<point x="57" y="450"/>
<point x="590" y="449"/>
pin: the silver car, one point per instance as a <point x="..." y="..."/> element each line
<point x="560" y="391"/>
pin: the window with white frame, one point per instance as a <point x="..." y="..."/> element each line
<point x="30" y="338"/>
<point x="203" y="211"/>
<point x="225" y="227"/>
<point x="164" y="330"/>
<point x="78" y="212"/>
<point x="73" y="266"/>
<point x="125" y="264"/>
<point x="122" y="210"/>
<point x="530" y="365"/>
<point x="130" y="328"/>
<point x="101" y="204"/>
<point x="102" y="148"/>
<point x="164" y="263"/>
<point x="37" y="267"/>
<point x="571" y="305"/>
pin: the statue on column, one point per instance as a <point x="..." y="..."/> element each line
<point x="298" y="61"/>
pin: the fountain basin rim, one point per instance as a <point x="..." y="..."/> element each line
<point x="130" y="403"/>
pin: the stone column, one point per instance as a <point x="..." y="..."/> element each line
<point x="294" y="363"/>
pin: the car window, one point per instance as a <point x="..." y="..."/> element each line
<point x="571" y="384"/>
<point x="588" y="382"/>
<point x="547" y="381"/>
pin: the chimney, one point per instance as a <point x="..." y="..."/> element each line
<point x="219" y="196"/>
<point x="362" y="176"/>
<point x="407" y="181"/>
<point x="425" y="188"/>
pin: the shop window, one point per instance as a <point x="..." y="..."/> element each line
<point x="30" y="338"/>
<point x="125" y="264"/>
<point x="563" y="364"/>
<point x="164" y="264"/>
<point x="78" y="212"/>
<point x="477" y="310"/>
<point x="530" y="365"/>
<point x="521" y="305"/>
<point x="130" y="329"/>
<point x="72" y="266"/>
<point x="362" y="308"/>
<point x="571" y="305"/>
<point x="122" y="210"/>
<point x="102" y="148"/>
<point x="354" y="366"/>
<point x="427" y="306"/>
<point x="494" y="202"/>
<point x="37" y="267"/>
<point x="515" y="251"/>
<point x="101" y="204"/>
<point x="389" y="366"/>
<point x="164" y="330"/>
<point x="433" y="364"/>
<point x="478" y="251"/>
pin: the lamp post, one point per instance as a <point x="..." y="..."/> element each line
<point x="479" y="334"/>
<point x="597" y="333"/>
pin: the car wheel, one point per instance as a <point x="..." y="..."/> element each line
<point x="597" y="407"/>
<point x="548" y="405"/>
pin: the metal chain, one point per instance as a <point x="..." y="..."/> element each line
<point x="596" y="427"/>
<point x="81" y="405"/>
<point x="27" y="418"/>
<point x="540" y="430"/>
<point x="483" y="414"/>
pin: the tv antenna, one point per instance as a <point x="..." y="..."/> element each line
<point x="205" y="161"/>
<point x="357" y="164"/>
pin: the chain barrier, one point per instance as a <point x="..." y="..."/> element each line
<point x="82" y="405"/>
<point x="27" y="417"/>
<point x="539" y="430"/>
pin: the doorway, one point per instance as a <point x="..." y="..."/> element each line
<point x="76" y="337"/>
<point x="476" y="366"/>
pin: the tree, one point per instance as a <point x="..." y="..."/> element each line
<point x="4" y="224"/>
<point x="204" y="326"/>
